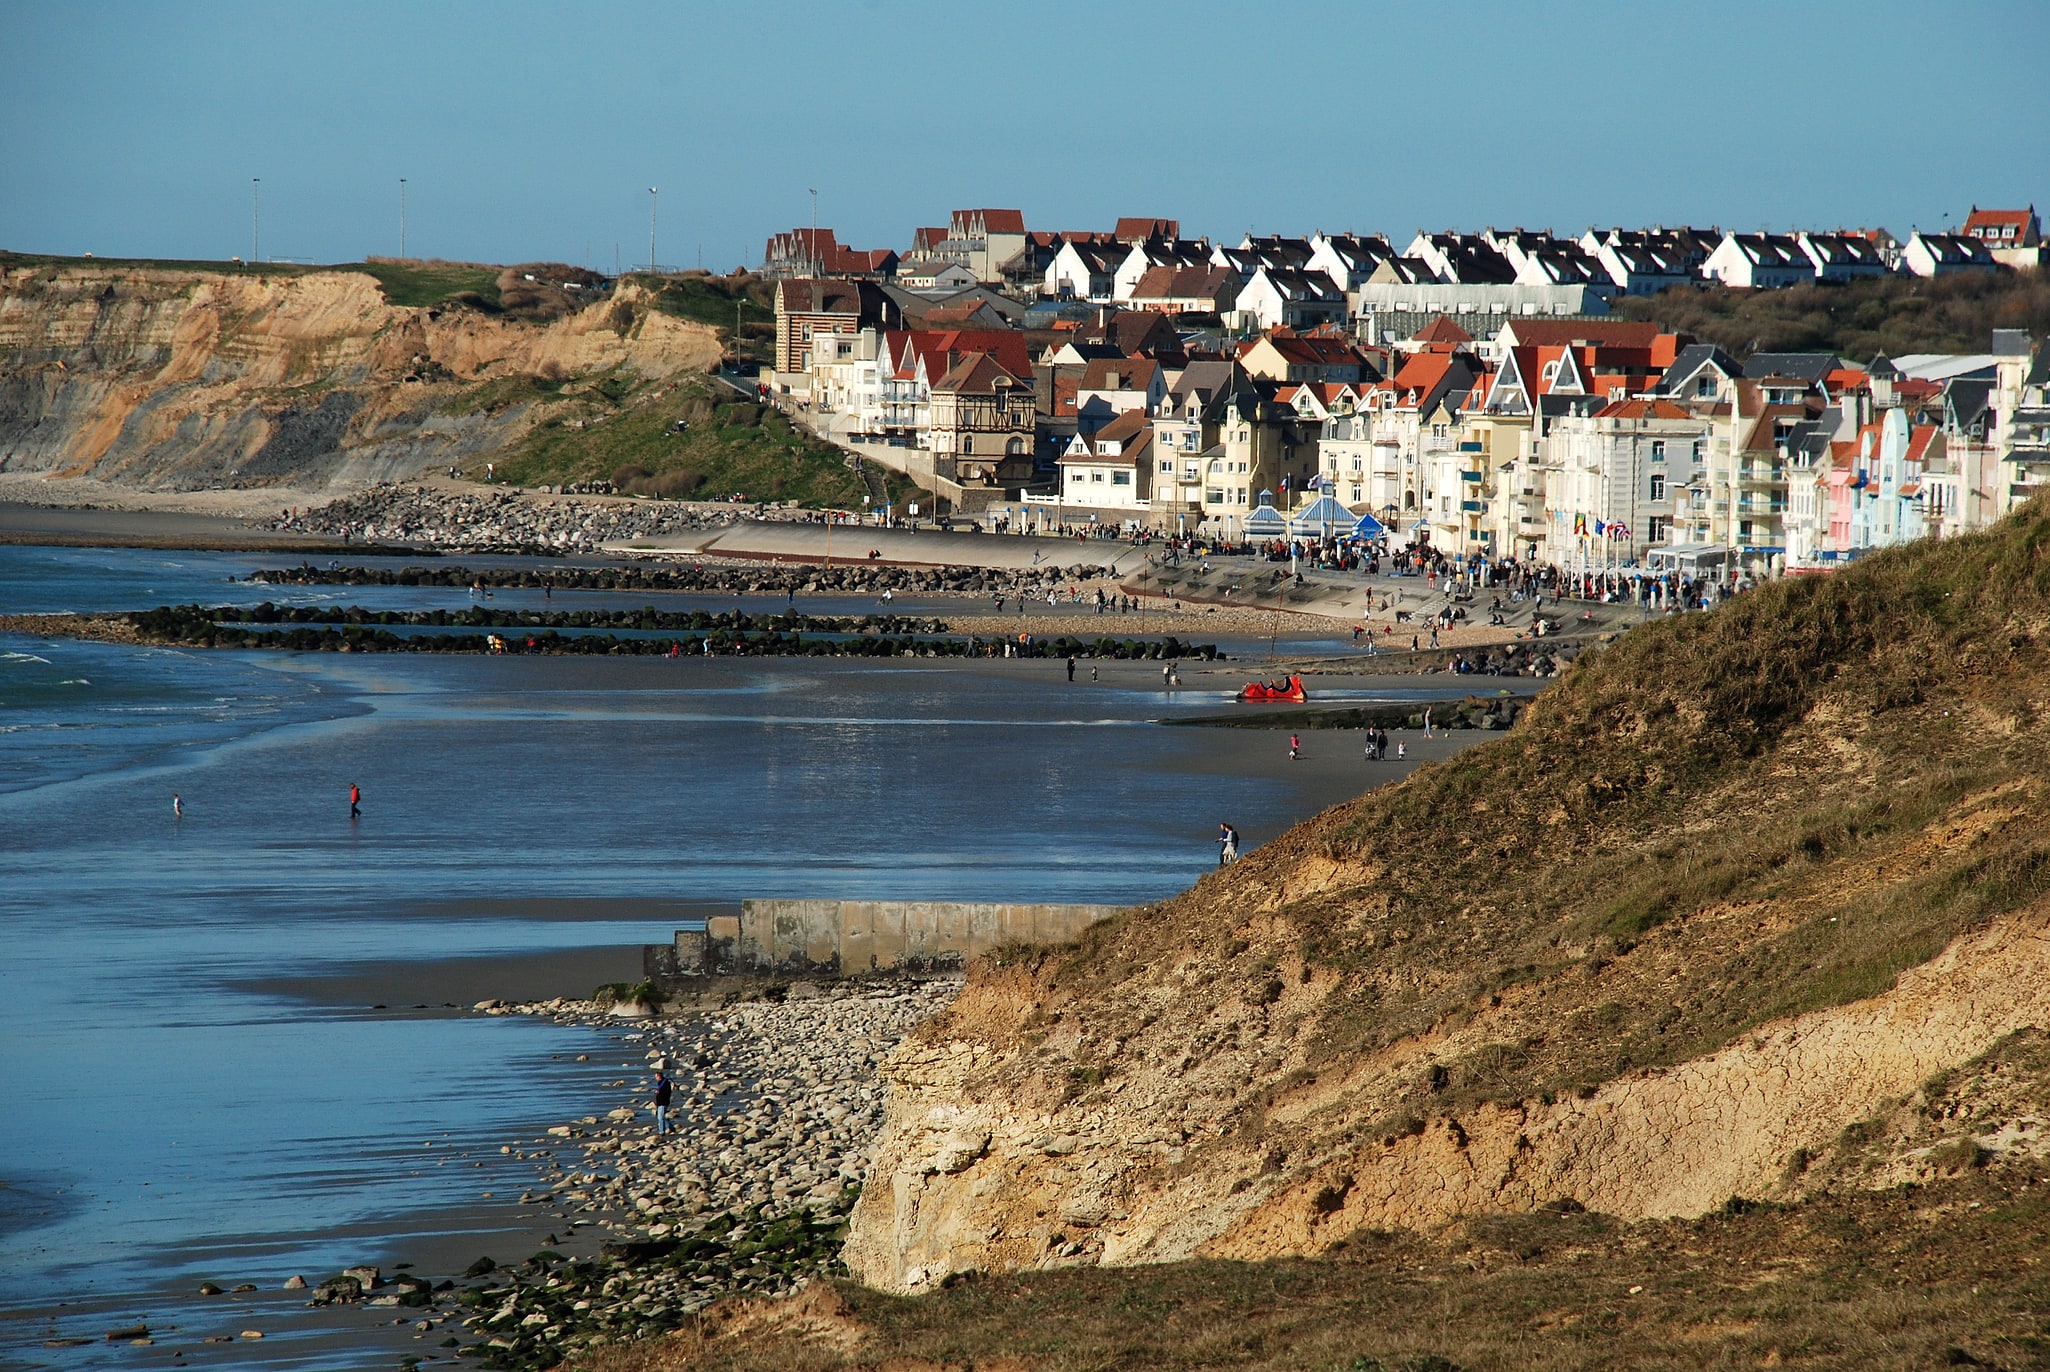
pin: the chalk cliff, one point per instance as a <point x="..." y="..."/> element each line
<point x="169" y="379"/>
<point x="1706" y="924"/>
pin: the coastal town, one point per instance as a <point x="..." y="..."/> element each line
<point x="1475" y="393"/>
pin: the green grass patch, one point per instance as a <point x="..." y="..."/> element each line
<point x="726" y="446"/>
<point x="420" y="283"/>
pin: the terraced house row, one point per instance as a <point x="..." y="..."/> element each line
<point x="1471" y="389"/>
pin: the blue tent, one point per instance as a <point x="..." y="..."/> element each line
<point x="1266" y="521"/>
<point x="1366" y="526"/>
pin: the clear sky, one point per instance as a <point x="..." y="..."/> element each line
<point x="529" y="131"/>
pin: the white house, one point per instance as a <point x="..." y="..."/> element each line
<point x="1843" y="256"/>
<point x="1142" y="257"/>
<point x="1290" y="296"/>
<point x="1111" y="468"/>
<point x="1763" y="261"/>
<point x="934" y="274"/>
<point x="1941" y="254"/>
<point x="1348" y="259"/>
<point x="1083" y="271"/>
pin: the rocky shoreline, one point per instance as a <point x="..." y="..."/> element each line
<point x="777" y="1102"/>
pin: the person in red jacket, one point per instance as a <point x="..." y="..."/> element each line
<point x="355" y="801"/>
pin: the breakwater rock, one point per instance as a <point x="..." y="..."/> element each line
<point x="749" y="578"/>
<point x="581" y="633"/>
<point x="499" y="521"/>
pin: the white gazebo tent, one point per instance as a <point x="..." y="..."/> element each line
<point x="1266" y="521"/>
<point x="1323" y="517"/>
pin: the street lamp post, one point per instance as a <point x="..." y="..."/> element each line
<point x="654" y="199"/>
<point x="255" y="219"/>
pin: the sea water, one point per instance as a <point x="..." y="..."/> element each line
<point x="184" y="1098"/>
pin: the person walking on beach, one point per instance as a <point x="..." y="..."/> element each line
<point x="1227" y="844"/>
<point x="662" y="1095"/>
<point x="1401" y="750"/>
<point x="1071" y="666"/>
<point x="355" y="801"/>
<point x="1295" y="746"/>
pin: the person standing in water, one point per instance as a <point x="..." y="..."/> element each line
<point x="177" y="806"/>
<point x="355" y="801"/>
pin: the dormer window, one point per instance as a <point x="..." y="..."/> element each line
<point x="1705" y="387"/>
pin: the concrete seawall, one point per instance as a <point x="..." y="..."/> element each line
<point x="859" y="937"/>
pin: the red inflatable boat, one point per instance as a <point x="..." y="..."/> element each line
<point x="1290" y="690"/>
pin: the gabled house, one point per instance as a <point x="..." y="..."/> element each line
<point x="1110" y="387"/>
<point x="1149" y="254"/>
<point x="1204" y="289"/>
<point x="1463" y="259"/>
<point x="1944" y="254"/>
<point x="1286" y="356"/>
<point x="934" y="274"/>
<point x="1760" y="261"/>
<point x="1289" y="297"/>
<point x="816" y="253"/>
<point x="1111" y="468"/>
<point x="1083" y="271"/>
<point x="1701" y="373"/>
<point x="1348" y="259"/>
<point x="809" y="306"/>
<point x="2013" y="237"/>
<point x="1643" y="271"/>
<point x="1188" y="433"/>
<point x="982" y="424"/>
<point x="1132" y="229"/>
<point x="1131" y="332"/>
<point x="1843" y="256"/>
<point x="983" y="240"/>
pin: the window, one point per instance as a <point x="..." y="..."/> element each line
<point x="1658" y="485"/>
<point x="1704" y="387"/>
<point x="1658" y="453"/>
<point x="1697" y="450"/>
<point x="1167" y="467"/>
<point x="1120" y="478"/>
<point x="1096" y="477"/>
<point x="1744" y="529"/>
<point x="1655" y="528"/>
<point x="1213" y="496"/>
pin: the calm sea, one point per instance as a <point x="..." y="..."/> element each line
<point x="198" y="1085"/>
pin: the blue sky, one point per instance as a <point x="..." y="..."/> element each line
<point x="532" y="132"/>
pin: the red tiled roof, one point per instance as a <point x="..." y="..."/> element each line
<point x="1980" y="219"/>
<point x="1443" y="330"/>
<point x="1642" y="409"/>
<point x="977" y="371"/>
<point x="993" y="221"/>
<point x="1134" y="230"/>
<point x="1618" y="333"/>
<point x="1119" y="374"/>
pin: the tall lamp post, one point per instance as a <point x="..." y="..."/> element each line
<point x="255" y="219"/>
<point x="654" y="199"/>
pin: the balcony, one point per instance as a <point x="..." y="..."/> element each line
<point x="1762" y="474"/>
<point x="1473" y="506"/>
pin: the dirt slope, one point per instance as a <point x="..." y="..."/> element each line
<point x="1720" y="906"/>
<point x="169" y="379"/>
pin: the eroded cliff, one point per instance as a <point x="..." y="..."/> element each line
<point x="1723" y="904"/>
<point x="170" y="379"/>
